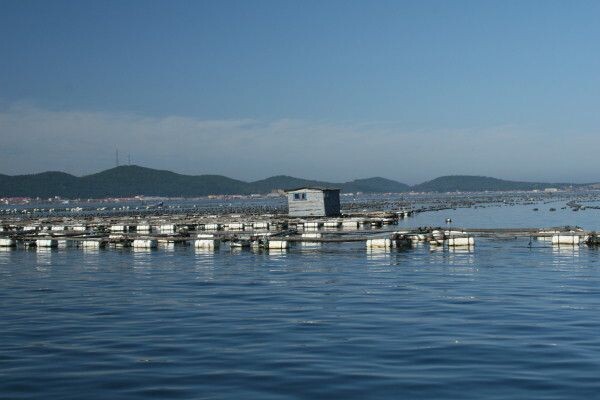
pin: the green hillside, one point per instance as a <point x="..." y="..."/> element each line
<point x="126" y="181"/>
<point x="469" y="183"/>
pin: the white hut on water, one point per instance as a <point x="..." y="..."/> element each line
<point x="313" y="202"/>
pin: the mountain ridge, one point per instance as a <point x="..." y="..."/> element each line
<point x="470" y="183"/>
<point x="127" y="181"/>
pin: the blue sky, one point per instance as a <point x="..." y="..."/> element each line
<point x="331" y="90"/>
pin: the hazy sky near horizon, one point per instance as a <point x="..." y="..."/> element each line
<point x="331" y="90"/>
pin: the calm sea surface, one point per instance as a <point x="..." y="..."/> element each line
<point x="502" y="321"/>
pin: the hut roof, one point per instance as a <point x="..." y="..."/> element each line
<point x="319" y="188"/>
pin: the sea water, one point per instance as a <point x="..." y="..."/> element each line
<point x="504" y="319"/>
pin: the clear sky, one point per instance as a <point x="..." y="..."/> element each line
<point x="331" y="90"/>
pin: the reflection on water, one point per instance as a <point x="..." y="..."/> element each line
<point x="166" y="246"/>
<point x="142" y="250"/>
<point x="142" y="257"/>
<point x="276" y="254"/>
<point x="564" y="251"/>
<point x="378" y="254"/>
<point x="44" y="254"/>
<point x="206" y="251"/>
<point x="310" y="245"/>
<point x="236" y="250"/>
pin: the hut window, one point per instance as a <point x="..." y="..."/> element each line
<point x="299" y="196"/>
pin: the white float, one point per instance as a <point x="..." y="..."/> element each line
<point x="278" y="244"/>
<point x="90" y="244"/>
<point x="461" y="241"/>
<point x="332" y="224"/>
<point x="212" y="227"/>
<point x="350" y="224"/>
<point x="235" y="226"/>
<point x="145" y="244"/>
<point x="260" y="225"/>
<point x="572" y="240"/>
<point x="311" y="226"/>
<point x="312" y="235"/>
<point x="46" y="243"/>
<point x="7" y="242"/>
<point x="379" y="243"/>
<point x="144" y="229"/>
<point x="167" y="229"/>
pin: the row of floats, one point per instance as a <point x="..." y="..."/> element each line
<point x="167" y="229"/>
<point x="142" y="243"/>
<point x="434" y="238"/>
<point x="213" y="241"/>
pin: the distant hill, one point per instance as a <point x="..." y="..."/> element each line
<point x="285" y="182"/>
<point x="374" y="185"/>
<point x="126" y="181"/>
<point x="46" y="184"/>
<point x="369" y="185"/>
<point x="469" y="183"/>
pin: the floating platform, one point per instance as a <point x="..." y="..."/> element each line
<point x="376" y="229"/>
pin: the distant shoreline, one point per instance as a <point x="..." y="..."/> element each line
<point x="131" y="181"/>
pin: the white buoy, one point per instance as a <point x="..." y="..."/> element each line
<point x="167" y="229"/>
<point x="7" y="242"/>
<point x="144" y="229"/>
<point x="260" y="225"/>
<point x="461" y="241"/>
<point x="212" y="227"/>
<point x="145" y="244"/>
<point x="572" y="240"/>
<point x="235" y="226"/>
<point x="278" y="244"/>
<point x="350" y="224"/>
<point x="454" y="233"/>
<point x="311" y="226"/>
<point x="314" y="235"/>
<point x="332" y="224"/>
<point x="379" y="243"/>
<point x="90" y="244"/>
<point x="311" y="235"/>
<point x="46" y="243"/>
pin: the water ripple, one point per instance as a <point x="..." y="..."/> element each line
<point x="500" y="321"/>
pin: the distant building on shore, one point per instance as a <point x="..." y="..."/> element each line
<point x="313" y="202"/>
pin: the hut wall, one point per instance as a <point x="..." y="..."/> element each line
<point x="312" y="206"/>
<point x="315" y="203"/>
